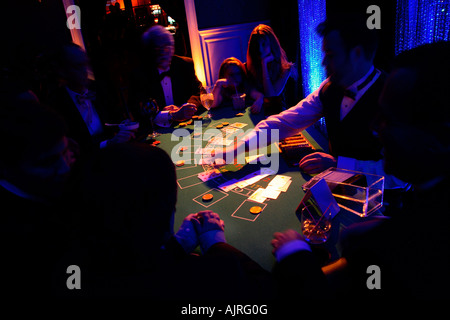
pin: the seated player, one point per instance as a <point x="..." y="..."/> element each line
<point x="410" y="249"/>
<point x="84" y="113"/>
<point x="348" y="99"/>
<point x="129" y="193"/>
<point x="268" y="68"/>
<point x="35" y="164"/>
<point x="233" y="80"/>
<point x="167" y="78"/>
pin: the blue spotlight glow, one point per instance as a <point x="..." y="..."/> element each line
<point x="311" y="13"/>
<point x="421" y="21"/>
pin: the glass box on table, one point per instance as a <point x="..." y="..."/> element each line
<point x="357" y="192"/>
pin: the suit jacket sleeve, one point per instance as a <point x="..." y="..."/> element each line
<point x="258" y="281"/>
<point x="299" y="275"/>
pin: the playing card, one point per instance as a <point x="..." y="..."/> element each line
<point x="250" y="179"/>
<point x="258" y="196"/>
<point x="324" y="198"/>
<point x="208" y="175"/>
<point x="271" y="193"/>
<point x="279" y="181"/>
<point x="285" y="187"/>
<point x="229" y="185"/>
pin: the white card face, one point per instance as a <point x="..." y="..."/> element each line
<point x="208" y="175"/>
<point x="324" y="199"/>
<point x="258" y="196"/>
<point x="229" y="185"/>
<point x="271" y="193"/>
<point x="279" y="181"/>
<point x="285" y="187"/>
<point x="250" y="179"/>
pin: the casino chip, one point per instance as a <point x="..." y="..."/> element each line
<point x="183" y="124"/>
<point x="255" y="210"/>
<point x="240" y="114"/>
<point x="179" y="163"/>
<point x="225" y="124"/>
<point x="207" y="197"/>
<point x="219" y="126"/>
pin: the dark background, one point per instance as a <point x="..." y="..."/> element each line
<point x="30" y="27"/>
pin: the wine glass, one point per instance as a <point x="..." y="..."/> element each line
<point x="150" y="110"/>
<point x="207" y="98"/>
<point x="315" y="224"/>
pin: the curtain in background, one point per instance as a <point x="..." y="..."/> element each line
<point x="421" y="21"/>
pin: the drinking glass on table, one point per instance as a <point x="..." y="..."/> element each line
<point x="207" y="98"/>
<point x="315" y="225"/>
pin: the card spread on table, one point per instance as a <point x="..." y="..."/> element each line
<point x="220" y="141"/>
<point x="285" y="187"/>
<point x="324" y="198"/>
<point x="271" y="193"/>
<point x="247" y="180"/>
<point x="258" y="196"/>
<point x="208" y="175"/>
<point x="229" y="185"/>
<point x="279" y="181"/>
<point x="250" y="179"/>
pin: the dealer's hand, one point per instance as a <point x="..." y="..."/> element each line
<point x="317" y="162"/>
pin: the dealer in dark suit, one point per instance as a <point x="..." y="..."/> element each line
<point x="168" y="79"/>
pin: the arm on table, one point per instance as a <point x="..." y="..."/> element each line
<point x="288" y="123"/>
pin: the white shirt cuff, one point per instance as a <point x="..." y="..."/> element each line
<point x="290" y="248"/>
<point x="210" y="238"/>
<point x="162" y="119"/>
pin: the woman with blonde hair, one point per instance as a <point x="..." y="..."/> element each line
<point x="267" y="65"/>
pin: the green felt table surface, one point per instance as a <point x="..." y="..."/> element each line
<point x="247" y="232"/>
